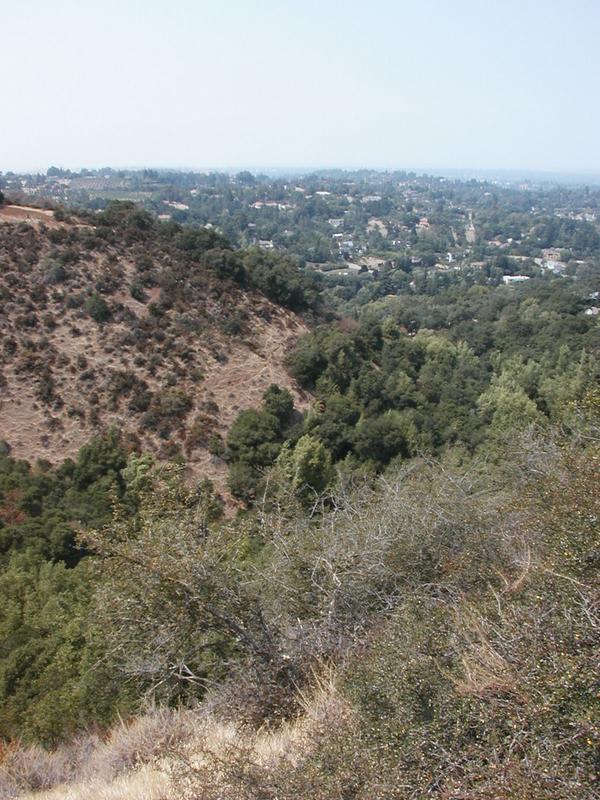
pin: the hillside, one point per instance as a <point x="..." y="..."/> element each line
<point x="440" y="629"/>
<point x="121" y="321"/>
<point x="405" y="604"/>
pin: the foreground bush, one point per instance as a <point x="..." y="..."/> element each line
<point x="481" y="679"/>
<point x="434" y="634"/>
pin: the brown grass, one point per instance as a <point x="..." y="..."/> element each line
<point x="93" y="759"/>
<point x="162" y="752"/>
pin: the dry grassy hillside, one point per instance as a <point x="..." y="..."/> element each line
<point x="113" y="324"/>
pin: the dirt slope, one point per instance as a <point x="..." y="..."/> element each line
<point x="171" y="366"/>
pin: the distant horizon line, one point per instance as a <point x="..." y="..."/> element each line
<point x="433" y="171"/>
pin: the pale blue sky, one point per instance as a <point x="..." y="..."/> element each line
<point x="260" y="83"/>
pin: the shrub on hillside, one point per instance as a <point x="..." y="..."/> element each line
<point x="279" y="279"/>
<point x="473" y="674"/>
<point x="97" y="307"/>
<point x="167" y="408"/>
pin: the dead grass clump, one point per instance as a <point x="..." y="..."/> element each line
<point x="34" y="769"/>
<point x="299" y="759"/>
<point x="145" y="783"/>
<point x="128" y="746"/>
<point x="143" y="739"/>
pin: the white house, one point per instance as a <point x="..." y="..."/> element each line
<point x="509" y="280"/>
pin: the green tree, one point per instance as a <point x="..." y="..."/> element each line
<point x="52" y="677"/>
<point x="507" y="406"/>
<point x="254" y="438"/>
<point x="278" y="402"/>
<point x="97" y="307"/>
<point x="307" y="466"/>
<point x="380" y="439"/>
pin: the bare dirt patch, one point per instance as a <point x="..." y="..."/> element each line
<point x="28" y="214"/>
<point x="470" y="230"/>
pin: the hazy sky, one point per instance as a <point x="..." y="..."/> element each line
<point x="300" y="83"/>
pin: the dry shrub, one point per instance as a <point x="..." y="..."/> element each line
<point x="200" y="432"/>
<point x="296" y="760"/>
<point x="91" y="756"/>
<point x="140" y="741"/>
<point x="255" y="696"/>
<point x="377" y="545"/>
<point x="478" y="676"/>
<point x="34" y="769"/>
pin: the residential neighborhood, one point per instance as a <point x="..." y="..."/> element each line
<point x="357" y="226"/>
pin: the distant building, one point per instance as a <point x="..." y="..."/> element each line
<point x="552" y="254"/>
<point x="266" y="244"/>
<point x="593" y="311"/>
<point x="509" y="280"/>
<point x="558" y="267"/>
<point x="272" y="204"/>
